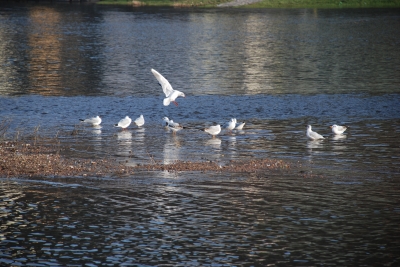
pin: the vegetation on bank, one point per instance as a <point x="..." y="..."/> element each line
<point x="263" y="3"/>
<point x="326" y="4"/>
<point x="172" y="3"/>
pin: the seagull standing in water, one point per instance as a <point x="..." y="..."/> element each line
<point x="337" y="129"/>
<point x="139" y="121"/>
<point x="313" y="135"/>
<point x="168" y="122"/>
<point x="231" y="124"/>
<point x="95" y="121"/>
<point x="170" y="93"/>
<point x="240" y="126"/>
<point x="213" y="130"/>
<point x="124" y="123"/>
<point x="173" y="126"/>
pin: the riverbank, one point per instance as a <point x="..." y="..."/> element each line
<point x="260" y="3"/>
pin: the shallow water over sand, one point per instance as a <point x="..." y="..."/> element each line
<point x="275" y="127"/>
<point x="276" y="70"/>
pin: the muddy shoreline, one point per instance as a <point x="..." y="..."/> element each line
<point x="30" y="159"/>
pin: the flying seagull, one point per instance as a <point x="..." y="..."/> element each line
<point x="170" y="93"/>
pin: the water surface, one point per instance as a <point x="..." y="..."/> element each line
<point x="277" y="70"/>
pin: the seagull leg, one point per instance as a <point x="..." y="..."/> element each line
<point x="176" y="104"/>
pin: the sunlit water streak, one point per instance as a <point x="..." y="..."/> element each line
<point x="277" y="70"/>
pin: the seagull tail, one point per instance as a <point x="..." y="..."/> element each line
<point x="166" y="101"/>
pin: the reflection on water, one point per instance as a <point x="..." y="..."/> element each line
<point x="172" y="149"/>
<point x="337" y="137"/>
<point x="214" y="142"/>
<point x="92" y="50"/>
<point x="315" y="144"/>
<point x="45" y="54"/>
<point x="195" y="221"/>
<point x="124" y="145"/>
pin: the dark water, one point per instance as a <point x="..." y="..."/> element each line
<point x="276" y="70"/>
<point x="195" y="221"/>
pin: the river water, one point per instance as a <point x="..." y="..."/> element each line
<point x="275" y="69"/>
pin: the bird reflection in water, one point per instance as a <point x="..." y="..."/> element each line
<point x="214" y="142"/>
<point x="337" y="137"/>
<point x="124" y="143"/>
<point x="96" y="130"/>
<point x="314" y="146"/>
<point x="172" y="149"/>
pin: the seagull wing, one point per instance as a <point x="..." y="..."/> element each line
<point x="316" y="135"/>
<point x="166" y="86"/>
<point x="342" y="128"/>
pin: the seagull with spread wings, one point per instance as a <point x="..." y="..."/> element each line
<point x="170" y="93"/>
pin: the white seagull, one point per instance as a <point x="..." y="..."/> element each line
<point x="168" y="122"/>
<point x="213" y="130"/>
<point x="95" y="121"/>
<point x="240" y="126"/>
<point x="170" y="93"/>
<point x="231" y="124"/>
<point x="139" y="121"/>
<point x="124" y="123"/>
<point x="337" y="129"/>
<point x="175" y="128"/>
<point x="313" y="135"/>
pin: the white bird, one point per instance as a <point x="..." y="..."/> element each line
<point x="124" y="123"/>
<point x="240" y="126"/>
<point x="95" y="121"/>
<point x="231" y="124"/>
<point x="175" y="128"/>
<point x="337" y="129"/>
<point x="170" y="93"/>
<point x="213" y="130"/>
<point x="168" y="122"/>
<point x="139" y="121"/>
<point x="313" y="135"/>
